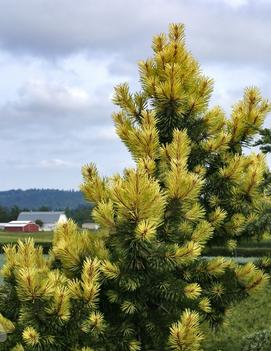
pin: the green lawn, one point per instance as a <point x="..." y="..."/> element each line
<point x="39" y="237"/>
<point x="248" y="317"/>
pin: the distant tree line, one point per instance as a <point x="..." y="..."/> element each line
<point x="81" y="214"/>
<point x="9" y="214"/>
<point x="37" y="198"/>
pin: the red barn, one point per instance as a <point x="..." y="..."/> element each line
<point x="21" y="226"/>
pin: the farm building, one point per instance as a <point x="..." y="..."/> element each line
<point x="2" y="226"/>
<point x="91" y="226"/>
<point x="21" y="226"/>
<point x="47" y="220"/>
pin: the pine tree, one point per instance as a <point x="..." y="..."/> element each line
<point x="142" y="283"/>
<point x="264" y="140"/>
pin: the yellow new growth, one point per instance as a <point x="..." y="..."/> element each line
<point x="124" y="98"/>
<point x="183" y="185"/>
<point x="217" y="217"/>
<point x="202" y="232"/>
<point x="94" y="188"/>
<point x="142" y="141"/>
<point x="110" y="270"/>
<point x="90" y="280"/>
<point x="60" y="305"/>
<point x="146" y="230"/>
<point x="253" y="278"/>
<point x="103" y="214"/>
<point x="31" y="337"/>
<point x="185" y="335"/>
<point x="134" y="345"/>
<point x="179" y="149"/>
<point x="248" y="115"/>
<point x="138" y="197"/>
<point x="32" y="285"/>
<point x="217" y="266"/>
<point x="146" y="165"/>
<point x="217" y="143"/>
<point x="186" y="253"/>
<point x="231" y="244"/>
<point x="6" y="325"/>
<point x="215" y="120"/>
<point x="88" y="287"/>
<point x="192" y="291"/>
<point x="254" y="177"/>
<point x="94" y="323"/>
<point x="205" y="305"/>
<point x="234" y="168"/>
<point x="193" y="212"/>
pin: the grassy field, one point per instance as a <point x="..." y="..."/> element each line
<point x="39" y="237"/>
<point x="248" y="317"/>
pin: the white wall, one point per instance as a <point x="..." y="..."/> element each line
<point x="62" y="218"/>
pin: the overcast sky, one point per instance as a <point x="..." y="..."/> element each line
<point x="59" y="61"/>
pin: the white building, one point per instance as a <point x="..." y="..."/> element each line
<point x="91" y="226"/>
<point x="2" y="226"/>
<point x="49" y="219"/>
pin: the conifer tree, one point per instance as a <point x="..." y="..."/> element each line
<point x="142" y="283"/>
<point x="264" y="140"/>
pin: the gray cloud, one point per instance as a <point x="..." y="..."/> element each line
<point x="55" y="129"/>
<point x="64" y="57"/>
<point x="216" y="30"/>
<point x="44" y="106"/>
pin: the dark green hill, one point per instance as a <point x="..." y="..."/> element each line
<point x="33" y="199"/>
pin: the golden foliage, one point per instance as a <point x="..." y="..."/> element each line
<point x="205" y="305"/>
<point x="60" y="304"/>
<point x="202" y="232"/>
<point x="217" y="266"/>
<point x="253" y="278"/>
<point x="142" y="141"/>
<point x="179" y="149"/>
<point x="217" y="217"/>
<point x="6" y="325"/>
<point x="217" y="143"/>
<point x="215" y="120"/>
<point x="192" y="291"/>
<point x="183" y="185"/>
<point x="110" y="270"/>
<point x="248" y="115"/>
<point x="185" y="335"/>
<point x="186" y="253"/>
<point x="94" y="188"/>
<point x="103" y="214"/>
<point x="30" y="336"/>
<point x="146" y="230"/>
<point x="94" y="323"/>
<point x="138" y="197"/>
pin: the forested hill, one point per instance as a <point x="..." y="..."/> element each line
<point x="33" y="199"/>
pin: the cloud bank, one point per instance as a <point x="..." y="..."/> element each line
<point x="59" y="61"/>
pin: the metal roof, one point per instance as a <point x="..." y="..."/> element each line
<point x="45" y="217"/>
<point x="19" y="222"/>
<point x="15" y="224"/>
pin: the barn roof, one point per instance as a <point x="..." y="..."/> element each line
<point x="45" y="217"/>
<point x="17" y="224"/>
